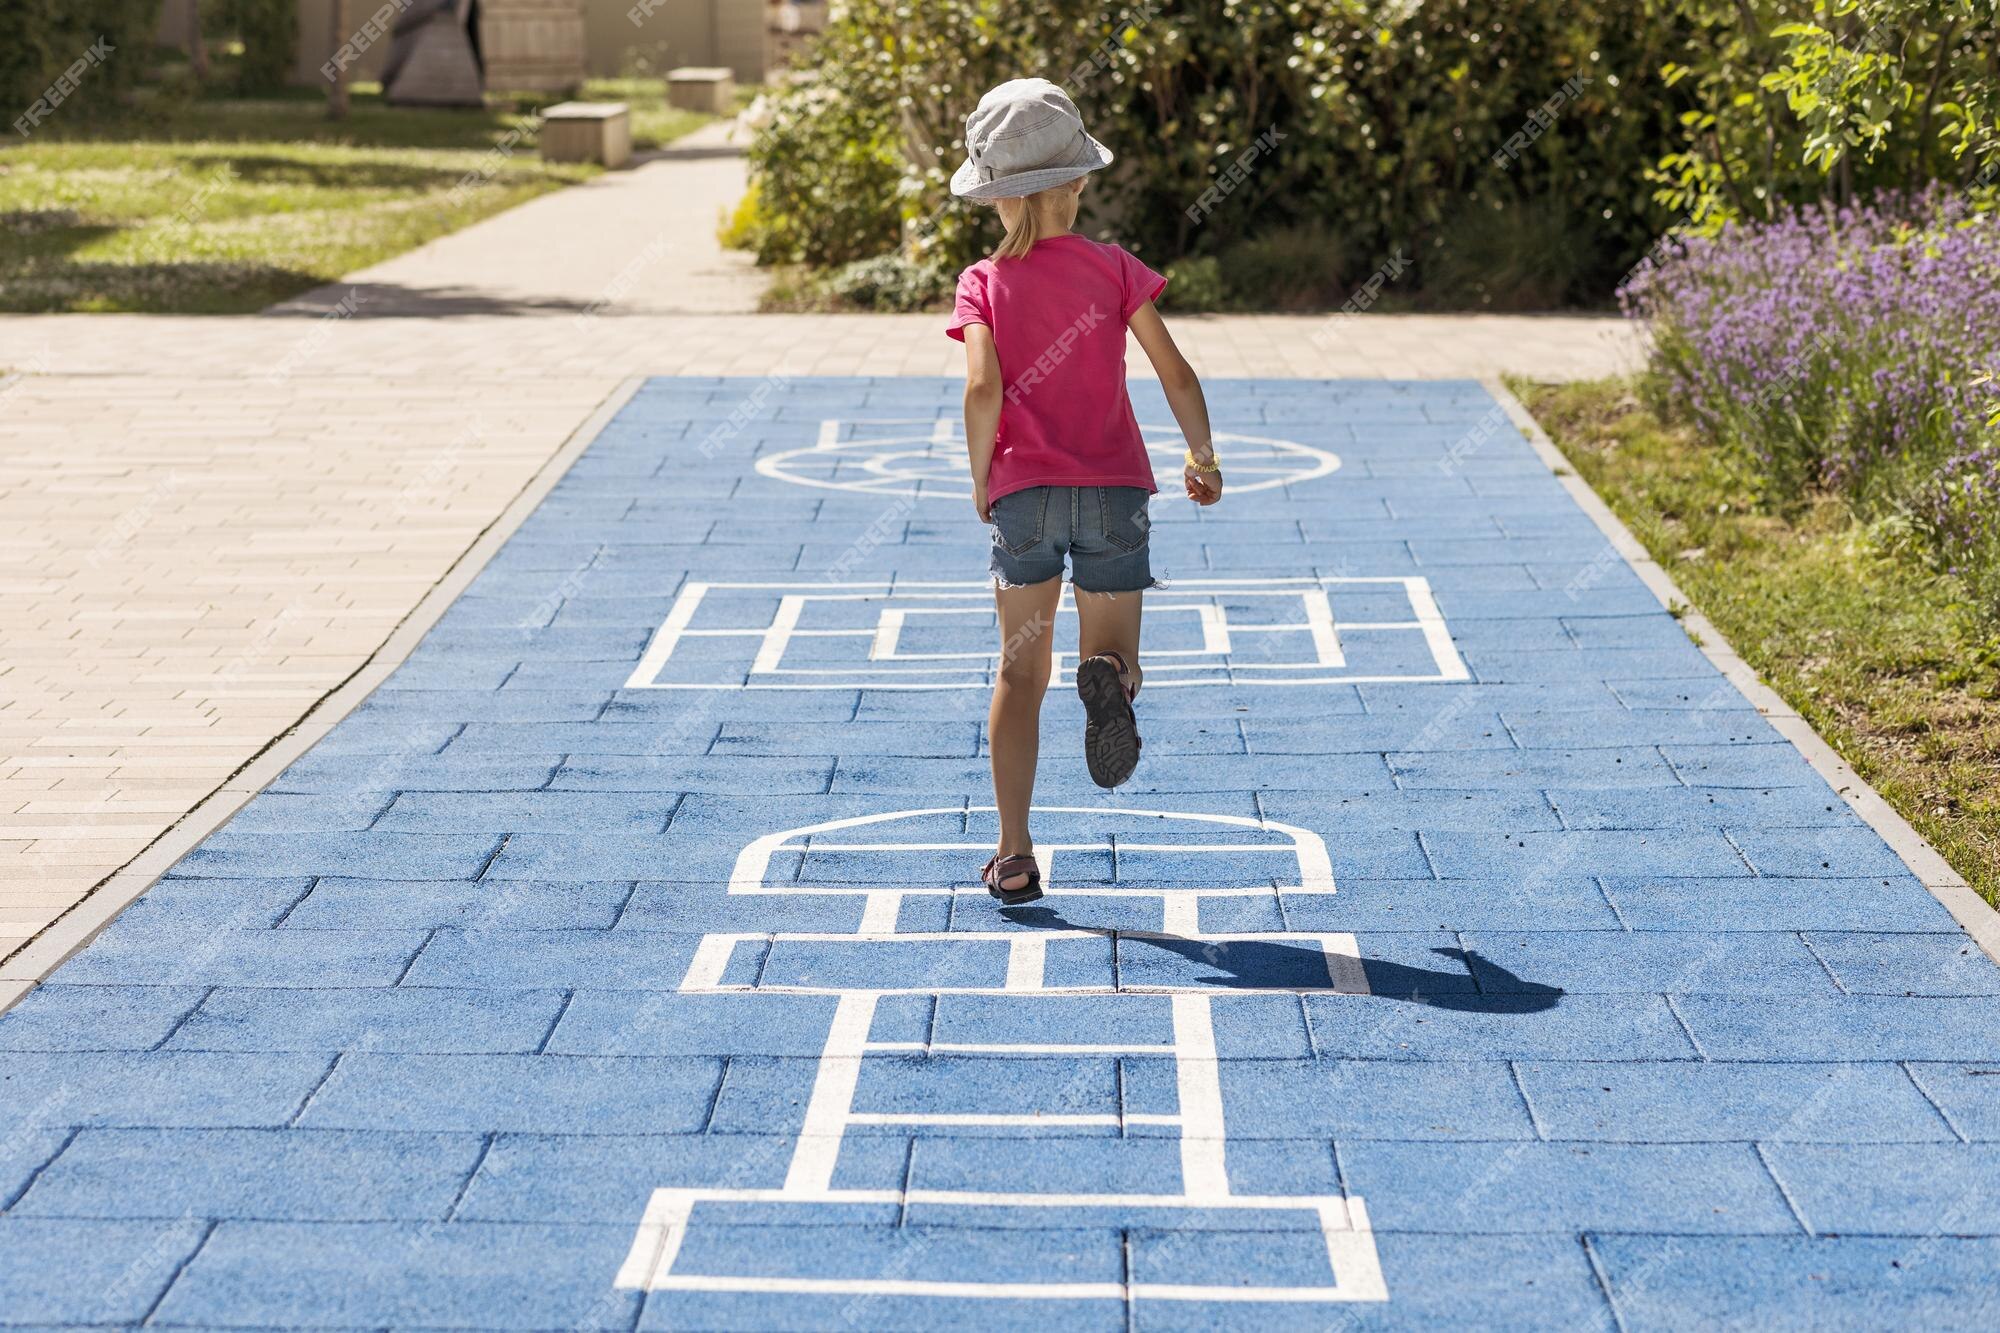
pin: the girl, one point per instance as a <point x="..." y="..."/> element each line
<point x="1058" y="464"/>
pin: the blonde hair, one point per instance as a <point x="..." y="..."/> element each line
<point x="1040" y="215"/>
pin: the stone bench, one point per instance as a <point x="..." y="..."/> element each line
<point x="587" y="132"/>
<point x="701" y="88"/>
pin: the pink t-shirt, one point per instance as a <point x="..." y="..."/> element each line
<point x="1058" y="316"/>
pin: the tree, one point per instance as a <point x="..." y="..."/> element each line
<point x="197" y="45"/>
<point x="336" y="93"/>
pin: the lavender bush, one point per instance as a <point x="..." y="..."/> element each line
<point x="1848" y="349"/>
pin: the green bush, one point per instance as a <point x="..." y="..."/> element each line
<point x="1292" y="268"/>
<point x="45" y="38"/>
<point x="887" y="283"/>
<point x="1379" y="121"/>
<point x="1194" y="285"/>
<point x="269" y="31"/>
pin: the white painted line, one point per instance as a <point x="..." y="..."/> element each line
<point x="976" y="1118"/>
<point x="832" y="1095"/>
<point x="888" y="628"/>
<point x="1343" y="964"/>
<point x="1436" y="633"/>
<point x="1023" y="1048"/>
<point x="667" y="637"/>
<point x="711" y="960"/>
<point x="1322" y="657"/>
<point x="778" y="636"/>
<point x="658" y="1243"/>
<point x="1198" y="1078"/>
<point x="754" y="861"/>
<point x="1026" y="958"/>
<point x="879" y="916"/>
<point x="1350" y="1251"/>
<point x="1319" y="619"/>
<point x="1180" y="913"/>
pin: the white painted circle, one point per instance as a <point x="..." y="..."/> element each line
<point x="918" y="464"/>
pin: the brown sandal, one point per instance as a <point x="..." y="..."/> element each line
<point x="1111" y="736"/>
<point x="1007" y="867"/>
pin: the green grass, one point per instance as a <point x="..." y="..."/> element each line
<point x="1888" y="661"/>
<point x="216" y="206"/>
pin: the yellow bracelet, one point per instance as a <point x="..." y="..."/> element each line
<point x="1212" y="466"/>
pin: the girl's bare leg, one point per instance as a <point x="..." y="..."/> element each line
<point x="1014" y="726"/>
<point x="1108" y="622"/>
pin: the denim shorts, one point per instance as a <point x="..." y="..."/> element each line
<point x="1103" y="530"/>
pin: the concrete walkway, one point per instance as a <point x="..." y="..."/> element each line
<point x="635" y="241"/>
<point x="1465" y="948"/>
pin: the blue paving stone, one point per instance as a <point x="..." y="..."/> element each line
<point x="506" y="812"/>
<point x="1697" y="1101"/>
<point x="1676" y="961"/>
<point x="277" y="1174"/>
<point x="229" y="854"/>
<point x="1500" y="903"/>
<point x="461" y="1274"/>
<point x="1526" y="1026"/>
<point x="1844" y="1027"/>
<point x="277" y="813"/>
<point x="608" y="1178"/>
<point x="24" y="1151"/>
<point x="533" y="1094"/>
<point x="63" y="1017"/>
<point x="620" y="1023"/>
<point x="1611" y="727"/>
<point x="677" y="736"/>
<point x="1768" y="903"/>
<point x="64" y="1272"/>
<point x="407" y="1018"/>
<point x="722" y="775"/>
<point x="1773" y="1282"/>
<point x="487" y="705"/>
<point x="1433" y="1281"/>
<point x="1824" y="852"/>
<point x="1089" y="1258"/>
<point x="1469" y="730"/>
<point x="1699" y="807"/>
<point x="1967" y="1094"/>
<point x="1534" y="855"/>
<point x="1901" y="1189"/>
<point x="1775" y="765"/>
<point x="633" y="960"/>
<point x="1404" y="1099"/>
<point x="41" y="1090"/>
<point x="1873" y="963"/>
<point x="248" y="958"/>
<point x="509" y="904"/>
<point x="1533" y="769"/>
<point x="1689" y="1188"/>
<point x="317" y="773"/>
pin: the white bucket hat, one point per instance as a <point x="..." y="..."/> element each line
<point x="1025" y="136"/>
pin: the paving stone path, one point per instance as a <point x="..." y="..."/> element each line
<point x="1464" y="948"/>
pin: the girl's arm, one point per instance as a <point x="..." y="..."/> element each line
<point x="1183" y="390"/>
<point x="982" y="409"/>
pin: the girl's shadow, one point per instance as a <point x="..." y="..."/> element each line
<point x="1482" y="987"/>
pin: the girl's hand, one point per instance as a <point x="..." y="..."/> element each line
<point x="1204" y="488"/>
<point x="981" y="503"/>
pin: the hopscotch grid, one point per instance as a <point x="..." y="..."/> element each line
<point x="831" y="1111"/>
<point x="887" y="667"/>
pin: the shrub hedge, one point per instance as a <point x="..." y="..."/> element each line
<point x="1521" y="153"/>
<point x="44" y="38"/>
<point x="269" y="30"/>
